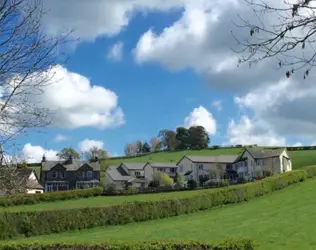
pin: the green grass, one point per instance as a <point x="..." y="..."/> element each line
<point x="281" y="220"/>
<point x="101" y="201"/>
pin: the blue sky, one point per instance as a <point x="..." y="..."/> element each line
<point x="173" y="78"/>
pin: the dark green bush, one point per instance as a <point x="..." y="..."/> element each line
<point x="192" y="184"/>
<point x="46" y="222"/>
<point x="311" y="171"/>
<point x="24" y="199"/>
<point x="232" y="244"/>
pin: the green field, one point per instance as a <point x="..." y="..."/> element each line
<point x="102" y="201"/>
<point x="281" y="220"/>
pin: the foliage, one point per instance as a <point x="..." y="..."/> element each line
<point x="26" y="199"/>
<point x="146" y="147"/>
<point x="162" y="178"/>
<point x="66" y="153"/>
<point x="182" y="136"/>
<point x="96" y="153"/>
<point x="168" y="139"/>
<point x="198" y="138"/>
<point x="55" y="221"/>
<point x="155" y="144"/>
<point x="192" y="184"/>
<point x="139" y="147"/>
<point x="178" y="179"/>
<point x="311" y="171"/>
<point x="130" y="149"/>
<point x="11" y="182"/>
<point x="232" y="244"/>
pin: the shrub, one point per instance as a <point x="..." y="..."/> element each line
<point x="23" y="199"/>
<point x="232" y="244"/>
<point x="311" y="171"/>
<point x="192" y="184"/>
<point x="46" y="222"/>
<point x="131" y="190"/>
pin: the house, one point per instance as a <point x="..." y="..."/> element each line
<point x="128" y="174"/>
<point x="168" y="168"/>
<point x="24" y="180"/>
<point x="211" y="167"/>
<point x="28" y="177"/>
<point x="261" y="162"/>
<point x="69" y="174"/>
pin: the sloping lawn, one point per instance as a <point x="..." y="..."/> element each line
<point x="281" y="220"/>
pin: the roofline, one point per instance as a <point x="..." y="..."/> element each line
<point x="188" y="157"/>
<point x="284" y="149"/>
<point x="134" y="163"/>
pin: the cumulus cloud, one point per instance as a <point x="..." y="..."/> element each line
<point x="247" y="131"/>
<point x="60" y="138"/>
<point x="91" y="19"/>
<point x="34" y="154"/>
<point x="115" y="53"/>
<point x="298" y="144"/>
<point x="87" y="144"/>
<point x="202" y="117"/>
<point x="76" y="103"/>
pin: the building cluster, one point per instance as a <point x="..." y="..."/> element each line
<point x="74" y="174"/>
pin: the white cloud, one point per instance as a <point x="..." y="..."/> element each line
<point x="34" y="154"/>
<point x="87" y="144"/>
<point x="247" y="131"/>
<point x="60" y="138"/>
<point x="76" y="103"/>
<point x="313" y="144"/>
<point x="217" y="104"/>
<point x="91" y="19"/>
<point x="115" y="53"/>
<point x="298" y="144"/>
<point x="202" y="117"/>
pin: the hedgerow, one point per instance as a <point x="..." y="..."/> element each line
<point x="24" y="199"/>
<point x="233" y="244"/>
<point x="310" y="170"/>
<point x="47" y="222"/>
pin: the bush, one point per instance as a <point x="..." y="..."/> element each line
<point x="192" y="184"/>
<point x="311" y="171"/>
<point x="232" y="244"/>
<point x="47" y="222"/>
<point x="25" y="199"/>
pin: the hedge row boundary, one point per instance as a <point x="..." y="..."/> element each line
<point x="33" y="223"/>
<point x="231" y="244"/>
<point x="27" y="199"/>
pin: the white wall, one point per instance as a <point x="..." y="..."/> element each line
<point x="285" y="165"/>
<point x="34" y="191"/>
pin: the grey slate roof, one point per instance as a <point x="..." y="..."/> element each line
<point x="116" y="175"/>
<point x="265" y="153"/>
<point x="163" y="165"/>
<point x="23" y="174"/>
<point x="134" y="166"/>
<point x="74" y="166"/>
<point x="214" y="159"/>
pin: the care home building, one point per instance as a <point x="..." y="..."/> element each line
<point x="69" y="174"/>
<point x="250" y="164"/>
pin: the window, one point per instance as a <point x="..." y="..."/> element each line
<point x="200" y="166"/>
<point x="181" y="169"/>
<point x="54" y="174"/>
<point x="246" y="163"/>
<point x="62" y="175"/>
<point x="137" y="173"/>
<point x="83" y="174"/>
<point x="89" y="174"/>
<point x="172" y="170"/>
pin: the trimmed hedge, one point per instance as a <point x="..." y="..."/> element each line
<point x="310" y="171"/>
<point x="232" y="244"/>
<point x="26" y="199"/>
<point x="47" y="222"/>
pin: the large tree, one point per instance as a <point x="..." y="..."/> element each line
<point x="284" y="30"/>
<point x="168" y="139"/>
<point x="27" y="60"/>
<point x="198" y="137"/>
<point x="130" y="149"/>
<point x="155" y="144"/>
<point x="66" y="153"/>
<point x="182" y="136"/>
<point x="96" y="153"/>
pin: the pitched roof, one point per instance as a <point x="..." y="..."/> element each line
<point x="23" y="174"/>
<point x="116" y="175"/>
<point x="74" y="166"/>
<point x="134" y="166"/>
<point x="163" y="165"/>
<point x="265" y="153"/>
<point x="214" y="159"/>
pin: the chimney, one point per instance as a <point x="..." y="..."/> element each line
<point x="44" y="158"/>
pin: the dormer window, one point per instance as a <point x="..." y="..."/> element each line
<point x="54" y="174"/>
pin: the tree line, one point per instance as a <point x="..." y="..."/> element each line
<point x="194" y="138"/>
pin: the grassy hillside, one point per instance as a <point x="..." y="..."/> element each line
<point x="282" y="220"/>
